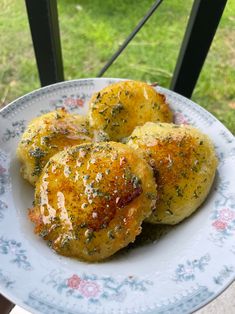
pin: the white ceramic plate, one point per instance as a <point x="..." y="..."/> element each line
<point x="168" y="270"/>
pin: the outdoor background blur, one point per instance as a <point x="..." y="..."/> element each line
<point x="91" y="30"/>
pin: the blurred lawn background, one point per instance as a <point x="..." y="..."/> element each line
<point x="91" y="30"/>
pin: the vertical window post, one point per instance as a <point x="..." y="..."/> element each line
<point x="44" y="26"/>
<point x="201" y="28"/>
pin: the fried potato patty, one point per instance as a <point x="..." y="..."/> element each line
<point x="45" y="136"/>
<point x="117" y="109"/>
<point x="184" y="162"/>
<point x="91" y="199"/>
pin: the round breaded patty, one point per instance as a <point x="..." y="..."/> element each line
<point x="117" y="109"/>
<point x="184" y="162"/>
<point x="91" y="199"/>
<point x="45" y="136"/>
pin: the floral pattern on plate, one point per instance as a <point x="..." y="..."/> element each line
<point x="4" y="174"/>
<point x="3" y="208"/>
<point x="184" y="304"/>
<point x="71" y="103"/>
<point x="223" y="216"/>
<point x="15" y="130"/>
<point x="223" y="225"/>
<point x="16" y="253"/>
<point x="187" y="271"/>
<point x="225" y="273"/>
<point x="6" y="281"/>
<point x="95" y="289"/>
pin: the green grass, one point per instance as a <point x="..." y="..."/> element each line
<point x="91" y="30"/>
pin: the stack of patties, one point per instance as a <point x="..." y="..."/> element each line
<point x="92" y="193"/>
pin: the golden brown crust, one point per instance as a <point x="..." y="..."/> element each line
<point x="91" y="199"/>
<point x="184" y="161"/>
<point x="117" y="109"/>
<point x="45" y="136"/>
